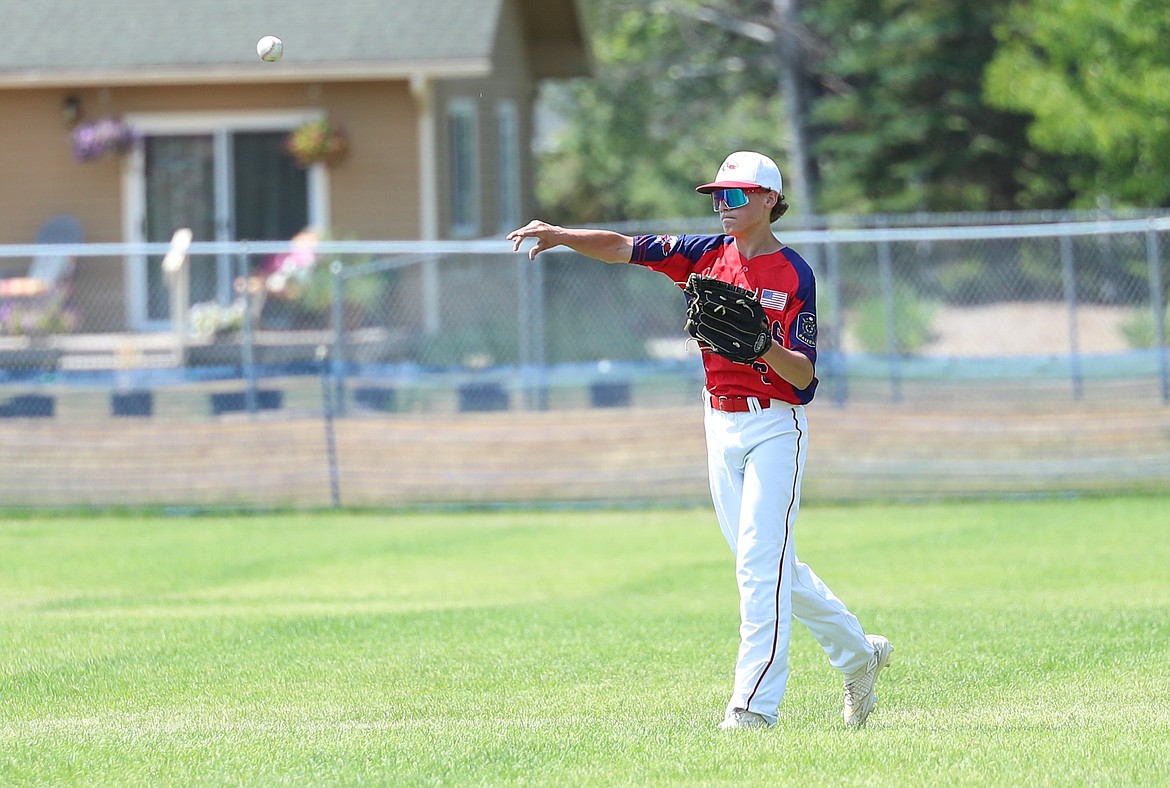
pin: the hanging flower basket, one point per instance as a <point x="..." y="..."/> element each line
<point x="317" y="140"/>
<point x="96" y="138"/>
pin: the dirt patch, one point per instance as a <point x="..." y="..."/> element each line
<point x="1024" y="329"/>
<point x="604" y="455"/>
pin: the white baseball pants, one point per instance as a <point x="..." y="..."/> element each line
<point x="755" y="462"/>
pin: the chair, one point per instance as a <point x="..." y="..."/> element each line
<point x="49" y="272"/>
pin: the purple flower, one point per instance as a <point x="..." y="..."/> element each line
<point x="97" y="138"/>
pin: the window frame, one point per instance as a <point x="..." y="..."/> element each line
<point x="463" y="164"/>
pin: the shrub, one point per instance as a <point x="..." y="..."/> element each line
<point x="493" y="342"/>
<point x="913" y="320"/>
<point x="1139" y="330"/>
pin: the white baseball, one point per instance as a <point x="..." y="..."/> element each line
<point x="270" y="49"/>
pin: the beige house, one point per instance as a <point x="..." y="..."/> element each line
<point x="435" y="99"/>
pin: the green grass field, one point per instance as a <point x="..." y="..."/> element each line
<point x="1032" y="644"/>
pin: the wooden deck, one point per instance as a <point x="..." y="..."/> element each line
<point x="162" y="350"/>
<point x="612" y="455"/>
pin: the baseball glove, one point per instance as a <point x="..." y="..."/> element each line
<point x="726" y="319"/>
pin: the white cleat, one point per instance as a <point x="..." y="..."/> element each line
<point x="860" y="697"/>
<point x="742" y="718"/>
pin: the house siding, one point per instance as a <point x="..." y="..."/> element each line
<point x="41" y="179"/>
<point x="513" y="70"/>
<point x="510" y="80"/>
<point x="372" y="192"/>
<point x="366" y="187"/>
<point x="374" y="189"/>
<point x="40" y="176"/>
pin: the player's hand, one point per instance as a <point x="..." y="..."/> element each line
<point x="547" y="236"/>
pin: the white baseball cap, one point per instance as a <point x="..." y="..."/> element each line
<point x="746" y="170"/>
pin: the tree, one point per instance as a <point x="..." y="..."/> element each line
<point x="893" y="90"/>
<point x="906" y="127"/>
<point x="1095" y="77"/>
<point x="792" y="47"/>
<point x="783" y="32"/>
<point x="673" y="95"/>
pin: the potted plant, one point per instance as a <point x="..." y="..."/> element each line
<point x="299" y="286"/>
<point x="37" y="317"/>
<point x="94" y="139"/>
<point x="317" y="140"/>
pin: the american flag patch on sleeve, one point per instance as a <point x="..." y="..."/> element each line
<point x="773" y="299"/>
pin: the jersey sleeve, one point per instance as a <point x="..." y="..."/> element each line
<point x="677" y="256"/>
<point x="800" y="329"/>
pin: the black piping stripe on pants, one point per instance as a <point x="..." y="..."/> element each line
<point x="783" y="552"/>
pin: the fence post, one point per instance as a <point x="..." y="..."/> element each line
<point x="177" y="272"/>
<point x="1070" y="299"/>
<point x="1154" y="258"/>
<point x="833" y="270"/>
<point x="886" y="272"/>
<point x="330" y="435"/>
<point x="248" y="348"/>
<point x="524" y="339"/>
<point x="538" y="327"/>
<point x="338" y="321"/>
<point x="532" y="332"/>
<point x="431" y="295"/>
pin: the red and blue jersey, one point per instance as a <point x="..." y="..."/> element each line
<point x="787" y="290"/>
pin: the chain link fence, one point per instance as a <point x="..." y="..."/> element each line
<point x="996" y="359"/>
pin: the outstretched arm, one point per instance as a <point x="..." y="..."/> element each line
<point x="604" y="245"/>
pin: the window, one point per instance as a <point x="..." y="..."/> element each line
<point x="225" y="176"/>
<point x="463" y="131"/>
<point x="508" y="162"/>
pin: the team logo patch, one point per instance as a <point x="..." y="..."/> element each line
<point x="806" y="328"/>
<point x="667" y="242"/>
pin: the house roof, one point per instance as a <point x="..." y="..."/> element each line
<point x="110" y="42"/>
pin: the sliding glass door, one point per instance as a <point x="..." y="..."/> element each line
<point x="271" y="194"/>
<point x="225" y="184"/>
<point x="180" y="192"/>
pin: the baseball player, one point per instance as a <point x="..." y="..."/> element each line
<point x="756" y="432"/>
